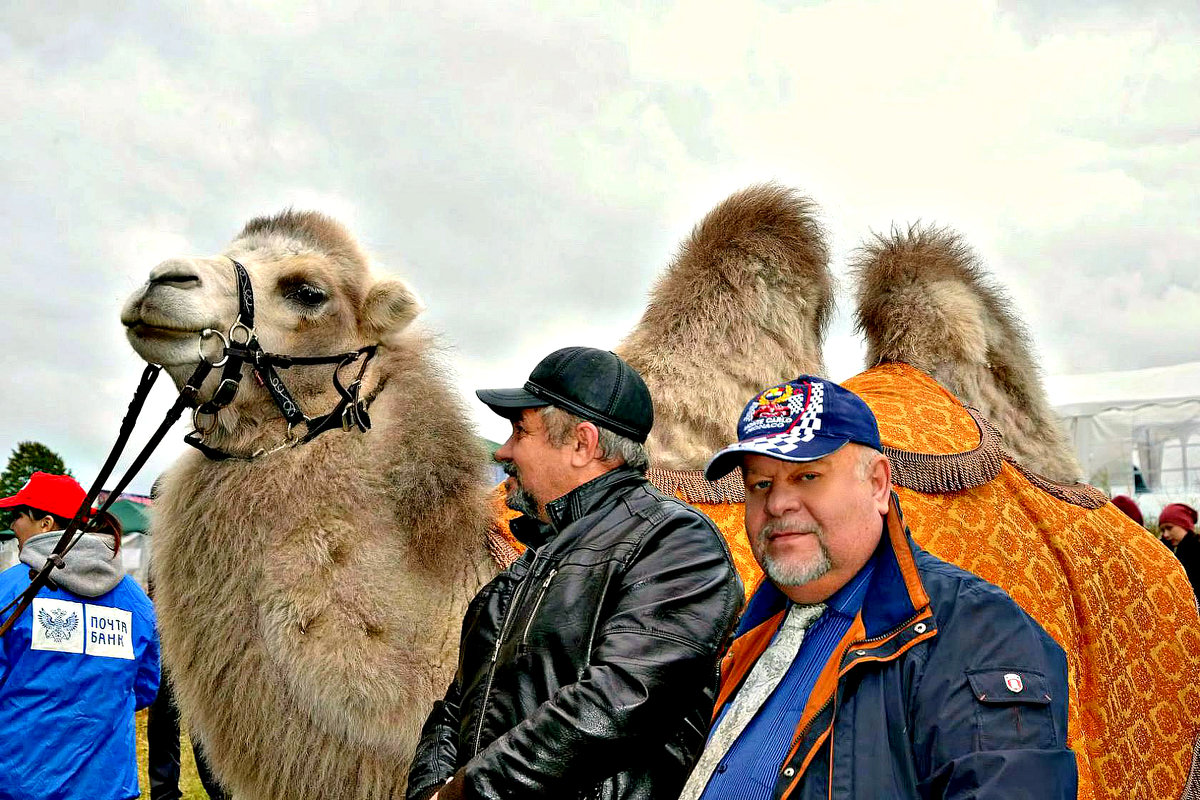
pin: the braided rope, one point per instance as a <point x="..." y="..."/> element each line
<point x="500" y="548"/>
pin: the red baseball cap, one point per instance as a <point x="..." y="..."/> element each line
<point x="60" y="495"/>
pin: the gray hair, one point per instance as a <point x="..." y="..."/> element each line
<point x="866" y="458"/>
<point x="612" y="446"/>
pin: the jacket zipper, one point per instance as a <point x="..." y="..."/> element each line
<point x="832" y="724"/>
<point x="536" y="605"/>
<point x="815" y="717"/>
<point x="837" y="687"/>
<point x="894" y="631"/>
<point x="518" y="595"/>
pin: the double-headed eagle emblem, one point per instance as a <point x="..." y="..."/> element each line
<point x="57" y="624"/>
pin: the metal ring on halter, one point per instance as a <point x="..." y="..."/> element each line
<point x="291" y="436"/>
<point x="240" y="326"/>
<point x="204" y="334"/>
<point x="204" y="430"/>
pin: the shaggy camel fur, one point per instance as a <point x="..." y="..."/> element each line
<point x="749" y="290"/>
<point x="310" y="599"/>
<point x="1111" y="596"/>
<point x="924" y="300"/>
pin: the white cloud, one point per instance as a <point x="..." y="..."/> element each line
<point x="529" y="170"/>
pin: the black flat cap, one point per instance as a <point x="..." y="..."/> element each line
<point x="593" y="384"/>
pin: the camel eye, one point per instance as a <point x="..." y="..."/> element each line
<point x="307" y="295"/>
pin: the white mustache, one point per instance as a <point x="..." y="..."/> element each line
<point x="790" y="526"/>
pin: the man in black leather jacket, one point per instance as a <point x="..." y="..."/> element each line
<point x="588" y="668"/>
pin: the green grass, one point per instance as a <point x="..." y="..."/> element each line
<point x="189" y="781"/>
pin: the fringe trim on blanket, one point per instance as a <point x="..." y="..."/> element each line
<point x="1191" y="791"/>
<point x="937" y="474"/>
<point x="927" y="473"/>
<point x="930" y="473"/>
<point x="692" y="487"/>
<point x="501" y="549"/>
<point x="1077" y="494"/>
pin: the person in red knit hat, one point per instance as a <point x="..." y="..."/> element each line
<point x="1128" y="507"/>
<point x="1177" y="527"/>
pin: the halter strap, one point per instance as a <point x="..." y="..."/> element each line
<point x="351" y="411"/>
<point x="242" y="347"/>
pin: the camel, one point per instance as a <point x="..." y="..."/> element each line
<point x="310" y="599"/>
<point x="991" y="490"/>
<point x="303" y="688"/>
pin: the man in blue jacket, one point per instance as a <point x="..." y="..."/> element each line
<point x="864" y="666"/>
<point x="77" y="663"/>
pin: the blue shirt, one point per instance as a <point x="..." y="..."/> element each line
<point x="72" y="671"/>
<point x="751" y="767"/>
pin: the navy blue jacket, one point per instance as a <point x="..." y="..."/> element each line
<point x="942" y="688"/>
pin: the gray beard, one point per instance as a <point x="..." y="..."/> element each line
<point x="522" y="502"/>
<point x="798" y="574"/>
<point x="519" y="499"/>
<point x="795" y="574"/>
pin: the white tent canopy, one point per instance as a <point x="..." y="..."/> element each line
<point x="1144" y="421"/>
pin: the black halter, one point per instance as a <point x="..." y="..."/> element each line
<point x="241" y="346"/>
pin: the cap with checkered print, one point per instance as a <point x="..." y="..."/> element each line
<point x="801" y="420"/>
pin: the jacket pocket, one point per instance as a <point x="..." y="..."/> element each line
<point x="1013" y="709"/>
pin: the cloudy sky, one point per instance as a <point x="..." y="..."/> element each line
<point x="530" y="168"/>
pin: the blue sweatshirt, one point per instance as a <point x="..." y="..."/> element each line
<point x="73" y="670"/>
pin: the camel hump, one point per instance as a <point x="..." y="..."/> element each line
<point x="923" y="299"/>
<point x="744" y="304"/>
<point x="764" y="233"/>
<point x="758" y="250"/>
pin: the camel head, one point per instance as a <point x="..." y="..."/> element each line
<point x="313" y="295"/>
<point x="744" y="305"/>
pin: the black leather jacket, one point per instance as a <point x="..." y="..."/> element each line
<point x="588" y="669"/>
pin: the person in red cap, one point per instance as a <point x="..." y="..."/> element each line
<point x="45" y="503"/>
<point x="78" y="661"/>
<point x="1177" y="527"/>
<point x="1128" y="507"/>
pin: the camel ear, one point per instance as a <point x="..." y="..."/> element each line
<point x="389" y="307"/>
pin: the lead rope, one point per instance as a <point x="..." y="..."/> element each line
<point x="240" y="347"/>
<point x="187" y="397"/>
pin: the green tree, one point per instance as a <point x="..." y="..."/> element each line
<point x="26" y="459"/>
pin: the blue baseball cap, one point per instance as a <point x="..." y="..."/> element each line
<point x="801" y="420"/>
